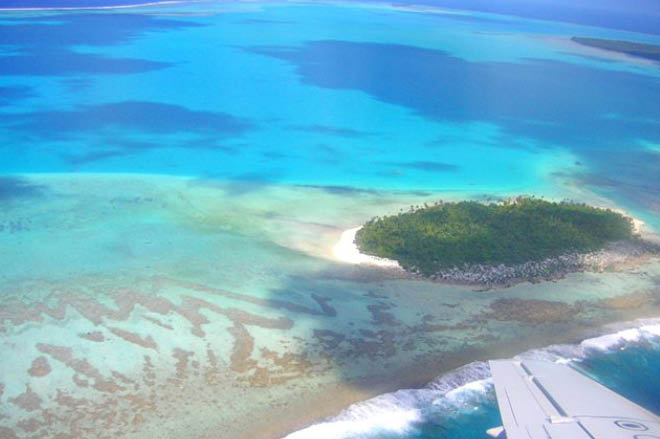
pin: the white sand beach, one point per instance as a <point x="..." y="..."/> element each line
<point x="346" y="251"/>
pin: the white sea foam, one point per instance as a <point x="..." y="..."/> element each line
<point x="380" y="414"/>
<point x="653" y="330"/>
<point x="621" y="336"/>
<point x="399" y="411"/>
<point x="463" y="386"/>
<point x="473" y="372"/>
<point x="629" y="335"/>
<point x="606" y="342"/>
<point x="467" y="391"/>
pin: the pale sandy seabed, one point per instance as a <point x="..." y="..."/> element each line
<point x="145" y="306"/>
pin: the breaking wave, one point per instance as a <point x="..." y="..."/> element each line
<point x="404" y="412"/>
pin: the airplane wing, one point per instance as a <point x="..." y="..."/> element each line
<point x="543" y="400"/>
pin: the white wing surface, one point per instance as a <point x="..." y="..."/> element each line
<point x="543" y="400"/>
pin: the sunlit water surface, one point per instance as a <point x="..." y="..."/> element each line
<point x="174" y="179"/>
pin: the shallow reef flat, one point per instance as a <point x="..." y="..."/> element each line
<point x="136" y="306"/>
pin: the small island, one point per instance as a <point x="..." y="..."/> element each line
<point x="640" y="50"/>
<point x="506" y="242"/>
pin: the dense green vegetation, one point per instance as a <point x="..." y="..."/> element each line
<point x="432" y="238"/>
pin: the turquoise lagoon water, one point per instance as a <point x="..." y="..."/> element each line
<point x="172" y="179"/>
<point x="334" y="95"/>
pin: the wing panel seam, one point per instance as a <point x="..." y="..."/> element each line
<point x="513" y="414"/>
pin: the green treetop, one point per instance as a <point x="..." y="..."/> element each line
<point x="432" y="238"/>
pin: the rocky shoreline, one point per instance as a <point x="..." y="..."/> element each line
<point x="616" y="256"/>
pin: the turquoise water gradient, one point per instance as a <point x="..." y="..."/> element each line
<point x="344" y="95"/>
<point x="193" y="166"/>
